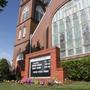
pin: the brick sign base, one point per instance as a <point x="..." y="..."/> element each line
<point x="44" y="65"/>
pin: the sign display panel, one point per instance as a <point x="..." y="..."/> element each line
<point x="40" y="67"/>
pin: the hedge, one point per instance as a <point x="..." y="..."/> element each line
<point x="78" y="69"/>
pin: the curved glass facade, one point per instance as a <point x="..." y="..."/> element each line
<point x="71" y="28"/>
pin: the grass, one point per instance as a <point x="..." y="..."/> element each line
<point x="73" y="86"/>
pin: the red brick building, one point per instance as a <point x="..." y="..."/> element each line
<point x="46" y="24"/>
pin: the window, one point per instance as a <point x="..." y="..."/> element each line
<point x="55" y="34"/>
<point x="22" y="33"/>
<point x="77" y="33"/>
<point x="69" y="33"/>
<point x="71" y="28"/>
<point x="19" y="34"/>
<point x="20" y="57"/>
<point x="45" y="1"/>
<point x="38" y="13"/>
<point x="25" y="14"/>
<point x="86" y="34"/>
<point x="20" y="61"/>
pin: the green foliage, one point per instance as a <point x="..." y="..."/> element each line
<point x="4" y="70"/>
<point x="3" y="3"/>
<point x="78" y="69"/>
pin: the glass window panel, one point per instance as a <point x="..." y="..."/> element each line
<point x="63" y="53"/>
<point x="84" y="2"/>
<point x="25" y="13"/>
<point x="75" y="16"/>
<point x="68" y="22"/>
<point x="24" y="17"/>
<point x="88" y="13"/>
<point x="86" y="34"/>
<point x="76" y="26"/>
<point x="69" y="38"/>
<point x="70" y="52"/>
<point x="78" y="50"/>
<point x="62" y="26"/>
<point x="62" y="41"/>
<point x="69" y="33"/>
<point x="69" y="45"/>
<point x="77" y="32"/>
<point x="78" y="42"/>
<point x="83" y="16"/>
<point x="87" y="48"/>
<point x="45" y="1"/>
<point x="55" y="28"/>
<point x="38" y="13"/>
<point x="89" y="10"/>
<point x="88" y="2"/>
<point x="55" y="39"/>
<point x="20" y="57"/>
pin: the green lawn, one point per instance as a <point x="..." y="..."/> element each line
<point x="73" y="86"/>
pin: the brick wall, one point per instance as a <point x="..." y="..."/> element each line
<point x="45" y="23"/>
<point x="56" y="69"/>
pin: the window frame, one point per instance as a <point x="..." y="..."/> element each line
<point x="25" y="14"/>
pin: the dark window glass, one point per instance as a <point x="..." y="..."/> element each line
<point x="39" y="13"/>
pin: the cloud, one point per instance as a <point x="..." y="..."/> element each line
<point x="5" y="55"/>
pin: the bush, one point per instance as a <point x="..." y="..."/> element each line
<point x="78" y="69"/>
<point x="4" y="70"/>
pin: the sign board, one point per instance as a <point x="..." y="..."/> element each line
<point x="40" y="67"/>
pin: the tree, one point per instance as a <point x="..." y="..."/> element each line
<point x="4" y="70"/>
<point x="3" y="3"/>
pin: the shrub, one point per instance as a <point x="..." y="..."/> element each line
<point x="78" y="69"/>
<point x="4" y="70"/>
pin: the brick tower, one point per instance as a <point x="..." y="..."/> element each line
<point x="30" y="14"/>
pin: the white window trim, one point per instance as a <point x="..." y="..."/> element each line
<point x="19" y="34"/>
<point x="24" y="13"/>
<point x="23" y="32"/>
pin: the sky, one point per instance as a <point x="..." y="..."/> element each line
<point x="8" y="22"/>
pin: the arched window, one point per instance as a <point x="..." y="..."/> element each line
<point x="45" y="1"/>
<point x="20" y="62"/>
<point x="71" y="28"/>
<point x="38" y="13"/>
<point x="19" y="34"/>
<point x="25" y="13"/>
<point x="22" y="33"/>
<point x="20" y="57"/>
